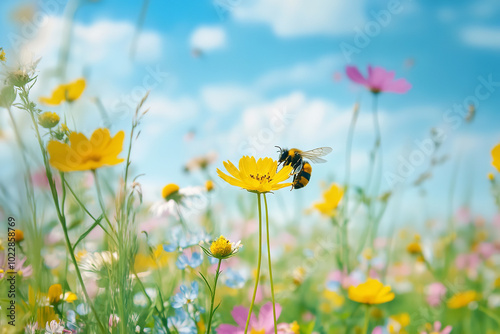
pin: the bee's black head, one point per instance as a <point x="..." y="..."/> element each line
<point x="283" y="154"/>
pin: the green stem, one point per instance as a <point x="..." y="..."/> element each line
<point x="217" y="273"/>
<point x="270" y="269"/>
<point x="345" y="246"/>
<point x="101" y="201"/>
<point x="367" y="320"/>
<point x="350" y="136"/>
<point x="62" y="219"/>
<point x="258" y="265"/>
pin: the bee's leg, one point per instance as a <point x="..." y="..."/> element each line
<point x="298" y="167"/>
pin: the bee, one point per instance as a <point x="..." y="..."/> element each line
<point x="301" y="169"/>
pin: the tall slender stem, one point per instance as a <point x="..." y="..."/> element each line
<point x="213" y="297"/>
<point x="376" y="145"/>
<point x="367" y="320"/>
<point x="100" y="199"/>
<point x="270" y="268"/>
<point x="258" y="265"/>
<point x="348" y="151"/>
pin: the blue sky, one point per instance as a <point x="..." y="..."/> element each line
<point x="260" y="58"/>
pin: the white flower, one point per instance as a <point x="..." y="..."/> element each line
<point x="31" y="328"/>
<point x="54" y="327"/>
<point x="94" y="262"/>
<point x="189" y="200"/>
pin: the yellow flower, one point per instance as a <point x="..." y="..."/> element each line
<point x="371" y="292"/>
<point x="331" y="200"/>
<point x="86" y="154"/>
<point x="368" y="254"/>
<point x="222" y="248"/>
<point x="48" y="119"/>
<point x="462" y="299"/>
<point x="66" y="92"/>
<point x="54" y="294"/>
<point x="495" y="153"/>
<point x="398" y="323"/>
<point x="491" y="177"/>
<point x="256" y="176"/>
<point x="2" y="55"/>
<point x="209" y="185"/>
<point x="70" y="297"/>
<point x="333" y="301"/>
<point x="294" y="327"/>
<point x="19" y="235"/>
<point x="414" y="248"/>
<point x="169" y="191"/>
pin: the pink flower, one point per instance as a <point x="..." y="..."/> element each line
<point x="463" y="215"/>
<point x="378" y="80"/>
<point x="467" y="261"/>
<point x="40" y="180"/>
<point x="437" y="329"/>
<point x="339" y="278"/>
<point x="264" y="323"/>
<point x="435" y="293"/>
<point x="487" y="249"/>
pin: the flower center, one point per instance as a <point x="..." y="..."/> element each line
<point x="221" y="247"/>
<point x="261" y="178"/>
<point x="91" y="157"/>
<point x="169" y="191"/>
<point x="260" y="331"/>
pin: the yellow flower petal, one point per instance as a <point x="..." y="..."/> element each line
<point x="256" y="175"/>
<point x="75" y="89"/>
<point x="371" y="292"/>
<point x="84" y="154"/>
<point x="65" y="92"/>
<point x="495" y="153"/>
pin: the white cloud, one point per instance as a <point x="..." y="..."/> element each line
<point x="208" y="38"/>
<point x="296" y="120"/>
<point x="101" y="42"/>
<point x="301" y="73"/>
<point x="289" y="18"/>
<point x="165" y="108"/>
<point x="227" y="97"/>
<point x="482" y="37"/>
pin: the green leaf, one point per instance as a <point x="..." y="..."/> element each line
<point x="206" y="282"/>
<point x="97" y="222"/>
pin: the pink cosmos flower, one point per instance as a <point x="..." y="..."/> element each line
<point x="378" y="80"/>
<point x="437" y="329"/>
<point x="435" y="293"/>
<point x="263" y="324"/>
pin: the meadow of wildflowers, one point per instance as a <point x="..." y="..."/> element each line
<point x="231" y="241"/>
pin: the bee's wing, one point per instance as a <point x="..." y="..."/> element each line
<point x="314" y="155"/>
